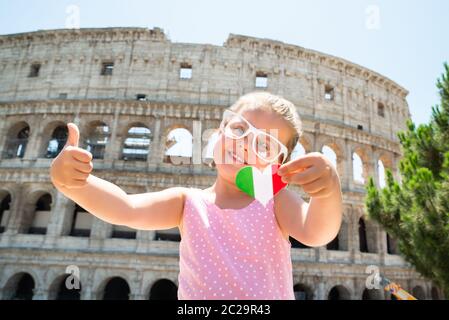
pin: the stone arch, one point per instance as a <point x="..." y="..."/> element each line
<point x="54" y="137"/>
<point x="59" y="291"/>
<point x="163" y="289"/>
<point x="101" y="279"/>
<point x="19" y="286"/>
<point x="363" y="241"/>
<point x="384" y="163"/>
<point x="344" y="233"/>
<point x="35" y="191"/>
<point x="5" y="208"/>
<point x="381" y="175"/>
<point x="387" y="159"/>
<point x="435" y="293"/>
<point x="341" y="240"/>
<point x="418" y="292"/>
<point x="96" y="135"/>
<point x="392" y="245"/>
<point x="339" y="292"/>
<point x="337" y="148"/>
<point x="170" y="124"/>
<point x="137" y="142"/>
<point x="178" y="141"/>
<point x="82" y="220"/>
<point x="303" y="292"/>
<point x="36" y="212"/>
<point x="16" y="142"/>
<point x="381" y="109"/>
<point x="369" y="229"/>
<point x="123" y="128"/>
<point x="371" y="294"/>
<point x="358" y="171"/>
<point x="360" y="165"/>
<point x="115" y="288"/>
<point x="10" y="270"/>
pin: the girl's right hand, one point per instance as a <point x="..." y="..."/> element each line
<point x="72" y="166"/>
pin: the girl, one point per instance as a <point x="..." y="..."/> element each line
<point x="232" y="246"/>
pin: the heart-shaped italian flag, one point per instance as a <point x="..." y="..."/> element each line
<point x="260" y="185"/>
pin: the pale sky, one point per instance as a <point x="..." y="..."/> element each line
<point x="407" y="41"/>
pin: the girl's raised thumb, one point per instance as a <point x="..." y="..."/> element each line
<point x="73" y="135"/>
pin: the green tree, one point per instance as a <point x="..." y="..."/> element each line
<point x="415" y="210"/>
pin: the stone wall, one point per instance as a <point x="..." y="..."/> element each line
<point x="343" y="106"/>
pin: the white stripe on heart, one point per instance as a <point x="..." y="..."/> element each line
<point x="263" y="185"/>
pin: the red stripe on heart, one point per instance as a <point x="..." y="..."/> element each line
<point x="278" y="184"/>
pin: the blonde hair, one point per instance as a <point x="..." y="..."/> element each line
<point x="279" y="105"/>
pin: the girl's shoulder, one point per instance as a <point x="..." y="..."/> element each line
<point x="191" y="192"/>
<point x="188" y="193"/>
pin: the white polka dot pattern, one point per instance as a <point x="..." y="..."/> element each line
<point x="232" y="254"/>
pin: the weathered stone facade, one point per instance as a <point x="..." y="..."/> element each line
<point x="122" y="78"/>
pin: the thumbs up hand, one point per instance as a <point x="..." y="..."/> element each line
<point x="72" y="166"/>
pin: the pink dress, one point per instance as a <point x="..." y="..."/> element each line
<point x="232" y="253"/>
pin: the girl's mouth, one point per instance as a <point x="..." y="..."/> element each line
<point x="237" y="158"/>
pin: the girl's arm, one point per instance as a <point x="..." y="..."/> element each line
<point x="145" y="211"/>
<point x="315" y="223"/>
<point x="318" y="222"/>
<point x="70" y="172"/>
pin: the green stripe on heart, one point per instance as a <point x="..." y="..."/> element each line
<point x="260" y="185"/>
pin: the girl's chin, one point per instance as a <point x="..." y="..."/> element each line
<point x="229" y="170"/>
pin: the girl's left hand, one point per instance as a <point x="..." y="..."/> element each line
<point x="313" y="172"/>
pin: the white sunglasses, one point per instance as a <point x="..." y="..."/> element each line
<point x="239" y="129"/>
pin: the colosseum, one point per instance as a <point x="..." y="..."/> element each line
<point x="139" y="99"/>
